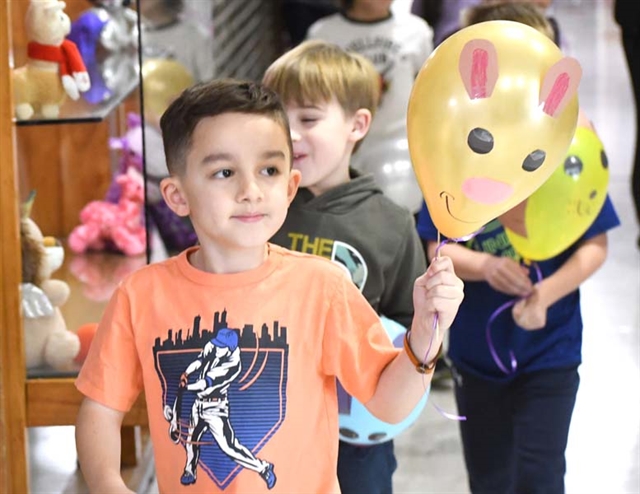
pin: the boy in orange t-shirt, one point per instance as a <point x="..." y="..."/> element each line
<point x="237" y="343"/>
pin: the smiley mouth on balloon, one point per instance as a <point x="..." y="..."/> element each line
<point x="583" y="208"/>
<point x="448" y="196"/>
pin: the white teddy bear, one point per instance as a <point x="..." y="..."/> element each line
<point x="54" y="67"/>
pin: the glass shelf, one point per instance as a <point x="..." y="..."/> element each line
<point x="50" y="373"/>
<point x="112" y="81"/>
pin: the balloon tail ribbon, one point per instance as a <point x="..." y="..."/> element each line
<point x="492" y="349"/>
<point x="436" y="328"/>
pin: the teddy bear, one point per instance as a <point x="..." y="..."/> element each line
<point x="120" y="226"/>
<point x="54" y="67"/>
<point x="47" y="339"/>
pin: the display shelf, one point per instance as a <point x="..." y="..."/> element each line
<point x="69" y="166"/>
<point x="56" y="402"/>
<point x="111" y="95"/>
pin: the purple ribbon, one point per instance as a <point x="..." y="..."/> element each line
<point x="447" y="415"/>
<point x="493" y="317"/>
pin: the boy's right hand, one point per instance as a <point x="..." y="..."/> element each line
<point x="507" y="276"/>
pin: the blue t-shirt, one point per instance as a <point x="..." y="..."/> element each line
<point x="557" y="345"/>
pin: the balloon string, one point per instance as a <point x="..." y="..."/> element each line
<point x="492" y="349"/>
<point x="436" y="328"/>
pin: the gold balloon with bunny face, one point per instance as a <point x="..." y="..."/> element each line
<point x="491" y="115"/>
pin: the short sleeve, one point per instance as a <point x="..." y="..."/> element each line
<point x="111" y="373"/>
<point x="606" y="220"/>
<point x="356" y="348"/>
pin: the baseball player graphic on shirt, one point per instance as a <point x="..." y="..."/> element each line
<point x="217" y="366"/>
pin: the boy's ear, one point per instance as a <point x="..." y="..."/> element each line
<point x="171" y="190"/>
<point x="294" y="181"/>
<point x="361" y="123"/>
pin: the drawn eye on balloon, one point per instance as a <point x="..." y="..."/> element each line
<point x="491" y="114"/>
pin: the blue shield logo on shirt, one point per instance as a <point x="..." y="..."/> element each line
<point x="224" y="396"/>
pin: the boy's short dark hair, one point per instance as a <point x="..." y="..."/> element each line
<point x="209" y="99"/>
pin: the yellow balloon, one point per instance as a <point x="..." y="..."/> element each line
<point x="556" y="215"/>
<point x="491" y="114"/>
<point x="162" y="81"/>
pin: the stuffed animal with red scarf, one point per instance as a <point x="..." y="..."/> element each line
<point x="54" y="68"/>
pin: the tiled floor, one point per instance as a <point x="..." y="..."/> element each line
<point x="603" y="453"/>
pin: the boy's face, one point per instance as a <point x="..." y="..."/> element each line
<point x="237" y="184"/>
<point x="323" y="140"/>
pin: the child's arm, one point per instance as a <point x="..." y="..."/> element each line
<point x="98" y="444"/>
<point x="531" y="313"/>
<point x="502" y="273"/>
<point x="400" y="385"/>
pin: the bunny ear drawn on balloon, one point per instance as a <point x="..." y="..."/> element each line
<point x="559" y="85"/>
<point x="478" y="67"/>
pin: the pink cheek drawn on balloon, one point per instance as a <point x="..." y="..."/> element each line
<point x="486" y="190"/>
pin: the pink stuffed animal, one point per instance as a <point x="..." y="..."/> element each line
<point x="120" y="226"/>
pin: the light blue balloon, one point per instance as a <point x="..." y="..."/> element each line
<point x="357" y="425"/>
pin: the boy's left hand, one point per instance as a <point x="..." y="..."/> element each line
<point x="530" y="313"/>
<point x="438" y="291"/>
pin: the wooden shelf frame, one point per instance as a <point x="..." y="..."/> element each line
<point x="56" y="402"/>
<point x="13" y="466"/>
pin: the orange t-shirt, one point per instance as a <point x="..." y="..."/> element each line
<point x="239" y="370"/>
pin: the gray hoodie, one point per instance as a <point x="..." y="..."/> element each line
<point x="375" y="240"/>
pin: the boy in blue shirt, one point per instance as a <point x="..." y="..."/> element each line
<point x="517" y="424"/>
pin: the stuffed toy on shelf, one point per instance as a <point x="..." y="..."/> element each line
<point x="54" y="67"/>
<point x="47" y="339"/>
<point x="107" y="37"/>
<point x="109" y="26"/>
<point x="115" y="227"/>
